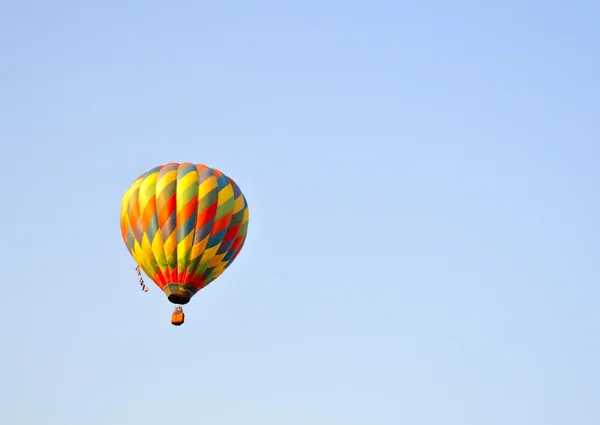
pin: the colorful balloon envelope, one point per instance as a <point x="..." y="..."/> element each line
<point x="184" y="224"/>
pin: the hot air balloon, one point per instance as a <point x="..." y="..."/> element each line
<point x="183" y="224"/>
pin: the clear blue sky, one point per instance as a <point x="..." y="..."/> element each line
<point x="423" y="187"/>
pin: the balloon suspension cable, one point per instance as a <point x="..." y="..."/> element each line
<point x="142" y="284"/>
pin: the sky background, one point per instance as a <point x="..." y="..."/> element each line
<point x="423" y="188"/>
